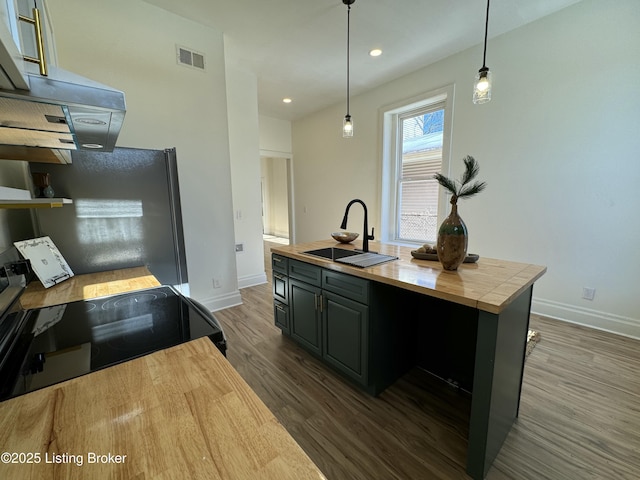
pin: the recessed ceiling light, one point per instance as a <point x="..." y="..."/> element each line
<point x="376" y="52"/>
<point x="287" y="100"/>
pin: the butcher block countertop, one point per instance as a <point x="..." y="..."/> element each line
<point x="489" y="285"/>
<point x="90" y="285"/>
<point x="183" y="412"/>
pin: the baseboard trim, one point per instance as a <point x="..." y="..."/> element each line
<point x="608" y="322"/>
<point x="252" y="280"/>
<point x="220" y="302"/>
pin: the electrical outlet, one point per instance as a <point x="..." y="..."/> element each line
<point x="216" y="283"/>
<point x="588" y="293"/>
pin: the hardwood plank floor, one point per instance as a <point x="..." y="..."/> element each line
<point x="579" y="414"/>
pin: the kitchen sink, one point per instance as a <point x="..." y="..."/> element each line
<point x="332" y="253"/>
<point x="351" y="257"/>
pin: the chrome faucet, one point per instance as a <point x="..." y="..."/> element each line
<point x="366" y="237"/>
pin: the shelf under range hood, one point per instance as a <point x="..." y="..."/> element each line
<point x="61" y="111"/>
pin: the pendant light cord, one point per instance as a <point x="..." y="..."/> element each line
<point x="348" y="31"/>
<point x="486" y="31"/>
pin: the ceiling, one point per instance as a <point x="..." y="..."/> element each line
<point x="297" y="48"/>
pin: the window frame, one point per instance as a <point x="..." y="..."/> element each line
<point x="392" y="155"/>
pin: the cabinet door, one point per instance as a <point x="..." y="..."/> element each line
<point x="12" y="66"/>
<point x="304" y="311"/>
<point x="346" y="336"/>
<point x="27" y="32"/>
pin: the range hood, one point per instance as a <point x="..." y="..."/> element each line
<point x="59" y="113"/>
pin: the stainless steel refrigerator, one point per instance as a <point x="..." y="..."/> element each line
<point x="125" y="213"/>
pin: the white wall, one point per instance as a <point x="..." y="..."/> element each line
<point x="242" y="96"/>
<point x="275" y="135"/>
<point x="130" y="45"/>
<point x="558" y="146"/>
<point x="15" y="224"/>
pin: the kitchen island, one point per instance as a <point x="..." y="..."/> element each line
<point x="468" y="327"/>
<point x="182" y="412"/>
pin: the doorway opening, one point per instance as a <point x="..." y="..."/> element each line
<point x="276" y="199"/>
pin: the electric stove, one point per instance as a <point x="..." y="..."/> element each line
<point x="41" y="347"/>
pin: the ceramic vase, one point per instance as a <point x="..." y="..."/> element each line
<point x="452" y="241"/>
<point x="48" y="191"/>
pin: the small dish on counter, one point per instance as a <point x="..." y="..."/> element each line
<point x="344" y="237"/>
<point x="470" y="258"/>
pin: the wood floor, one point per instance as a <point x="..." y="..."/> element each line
<point x="579" y="414"/>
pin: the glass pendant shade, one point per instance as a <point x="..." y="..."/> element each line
<point x="347" y="126"/>
<point x="482" y="86"/>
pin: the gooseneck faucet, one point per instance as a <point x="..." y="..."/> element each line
<point x="366" y="237"/>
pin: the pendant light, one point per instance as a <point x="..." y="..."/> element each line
<point x="347" y="124"/>
<point x="482" y="84"/>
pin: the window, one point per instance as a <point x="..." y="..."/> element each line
<point x="415" y="148"/>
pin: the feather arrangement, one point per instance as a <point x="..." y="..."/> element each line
<point x="462" y="188"/>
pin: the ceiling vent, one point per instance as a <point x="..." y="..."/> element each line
<point x="190" y="58"/>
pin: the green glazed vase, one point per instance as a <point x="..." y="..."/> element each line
<point x="452" y="240"/>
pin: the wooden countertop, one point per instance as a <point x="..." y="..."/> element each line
<point x="183" y="412"/>
<point x="91" y="285"/>
<point x="489" y="285"/>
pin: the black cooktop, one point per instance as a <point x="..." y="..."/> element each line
<point x="65" y="341"/>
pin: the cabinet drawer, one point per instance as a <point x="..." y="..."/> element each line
<point x="346" y="285"/>
<point x="279" y="263"/>
<point x="281" y="316"/>
<point x="306" y="272"/>
<point x="280" y="287"/>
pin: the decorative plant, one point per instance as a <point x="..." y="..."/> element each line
<point x="462" y="188"/>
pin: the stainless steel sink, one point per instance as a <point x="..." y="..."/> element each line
<point x="351" y="257"/>
<point x="332" y="253"/>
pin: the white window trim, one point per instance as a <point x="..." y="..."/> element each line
<point x="389" y="118"/>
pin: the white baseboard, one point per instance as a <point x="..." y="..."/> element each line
<point x="608" y="322"/>
<point x="220" y="302"/>
<point x="252" y="280"/>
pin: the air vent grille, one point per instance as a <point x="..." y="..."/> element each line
<point x="190" y="58"/>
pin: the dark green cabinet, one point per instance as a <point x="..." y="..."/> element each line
<point x="279" y="263"/>
<point x="326" y="313"/>
<point x="347" y="321"/>
<point x="373" y="332"/>
<point x="280" y="284"/>
<point x="306" y="316"/>
<point x="281" y="316"/>
<point x="346" y="336"/>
